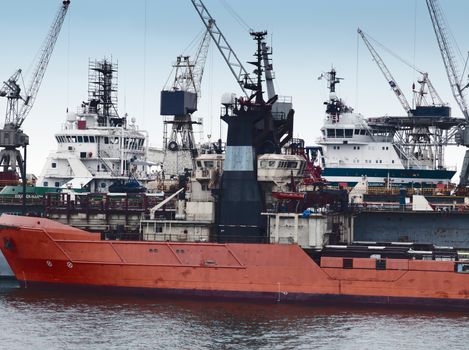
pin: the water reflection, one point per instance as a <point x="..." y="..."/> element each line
<point x="31" y="319"/>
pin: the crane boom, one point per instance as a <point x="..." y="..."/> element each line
<point x="434" y="96"/>
<point x="452" y="71"/>
<point x="447" y="55"/>
<point x="11" y="135"/>
<point x="387" y="74"/>
<point x="36" y="80"/>
<point x="235" y="65"/>
<point x="199" y="63"/>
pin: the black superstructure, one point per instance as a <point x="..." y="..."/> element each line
<point x="251" y="131"/>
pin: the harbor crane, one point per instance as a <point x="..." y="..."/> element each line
<point x="281" y="125"/>
<point x="19" y="104"/>
<point x="189" y="73"/>
<point x="234" y="64"/>
<point x="387" y="74"/>
<point x="455" y="81"/>
<point x="425" y="83"/>
<point x="179" y="100"/>
<point x="428" y="126"/>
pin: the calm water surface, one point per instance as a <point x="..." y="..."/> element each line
<point x="47" y="320"/>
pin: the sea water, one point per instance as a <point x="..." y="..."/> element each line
<point x="31" y="319"/>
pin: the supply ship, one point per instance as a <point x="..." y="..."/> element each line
<point x="98" y="149"/>
<point x="390" y="151"/>
<point x="246" y="225"/>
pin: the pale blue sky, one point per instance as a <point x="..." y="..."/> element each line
<point x="308" y="37"/>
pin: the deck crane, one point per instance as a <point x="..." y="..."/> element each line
<point x="19" y="105"/>
<point x="455" y="81"/>
<point x="282" y="111"/>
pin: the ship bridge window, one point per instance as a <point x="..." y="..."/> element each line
<point x="53" y="165"/>
<point x="357" y="131"/>
<point x="339" y="132"/>
<point x="330" y="132"/>
<point x="363" y="132"/>
<point x="287" y="164"/>
<point x="208" y="163"/>
<point x="348" y="132"/>
<point x="199" y="164"/>
<point x="271" y="163"/>
<point x="80" y="139"/>
<point x="74" y="139"/>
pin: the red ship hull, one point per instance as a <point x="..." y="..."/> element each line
<point x="45" y="253"/>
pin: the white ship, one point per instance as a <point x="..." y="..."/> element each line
<point x="96" y="147"/>
<point x="392" y="151"/>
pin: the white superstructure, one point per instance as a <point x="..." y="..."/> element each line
<point x="394" y="151"/>
<point x="93" y="156"/>
<point x="96" y="147"/>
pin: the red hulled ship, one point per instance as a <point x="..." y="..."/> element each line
<point x="250" y="226"/>
<point x="42" y="252"/>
